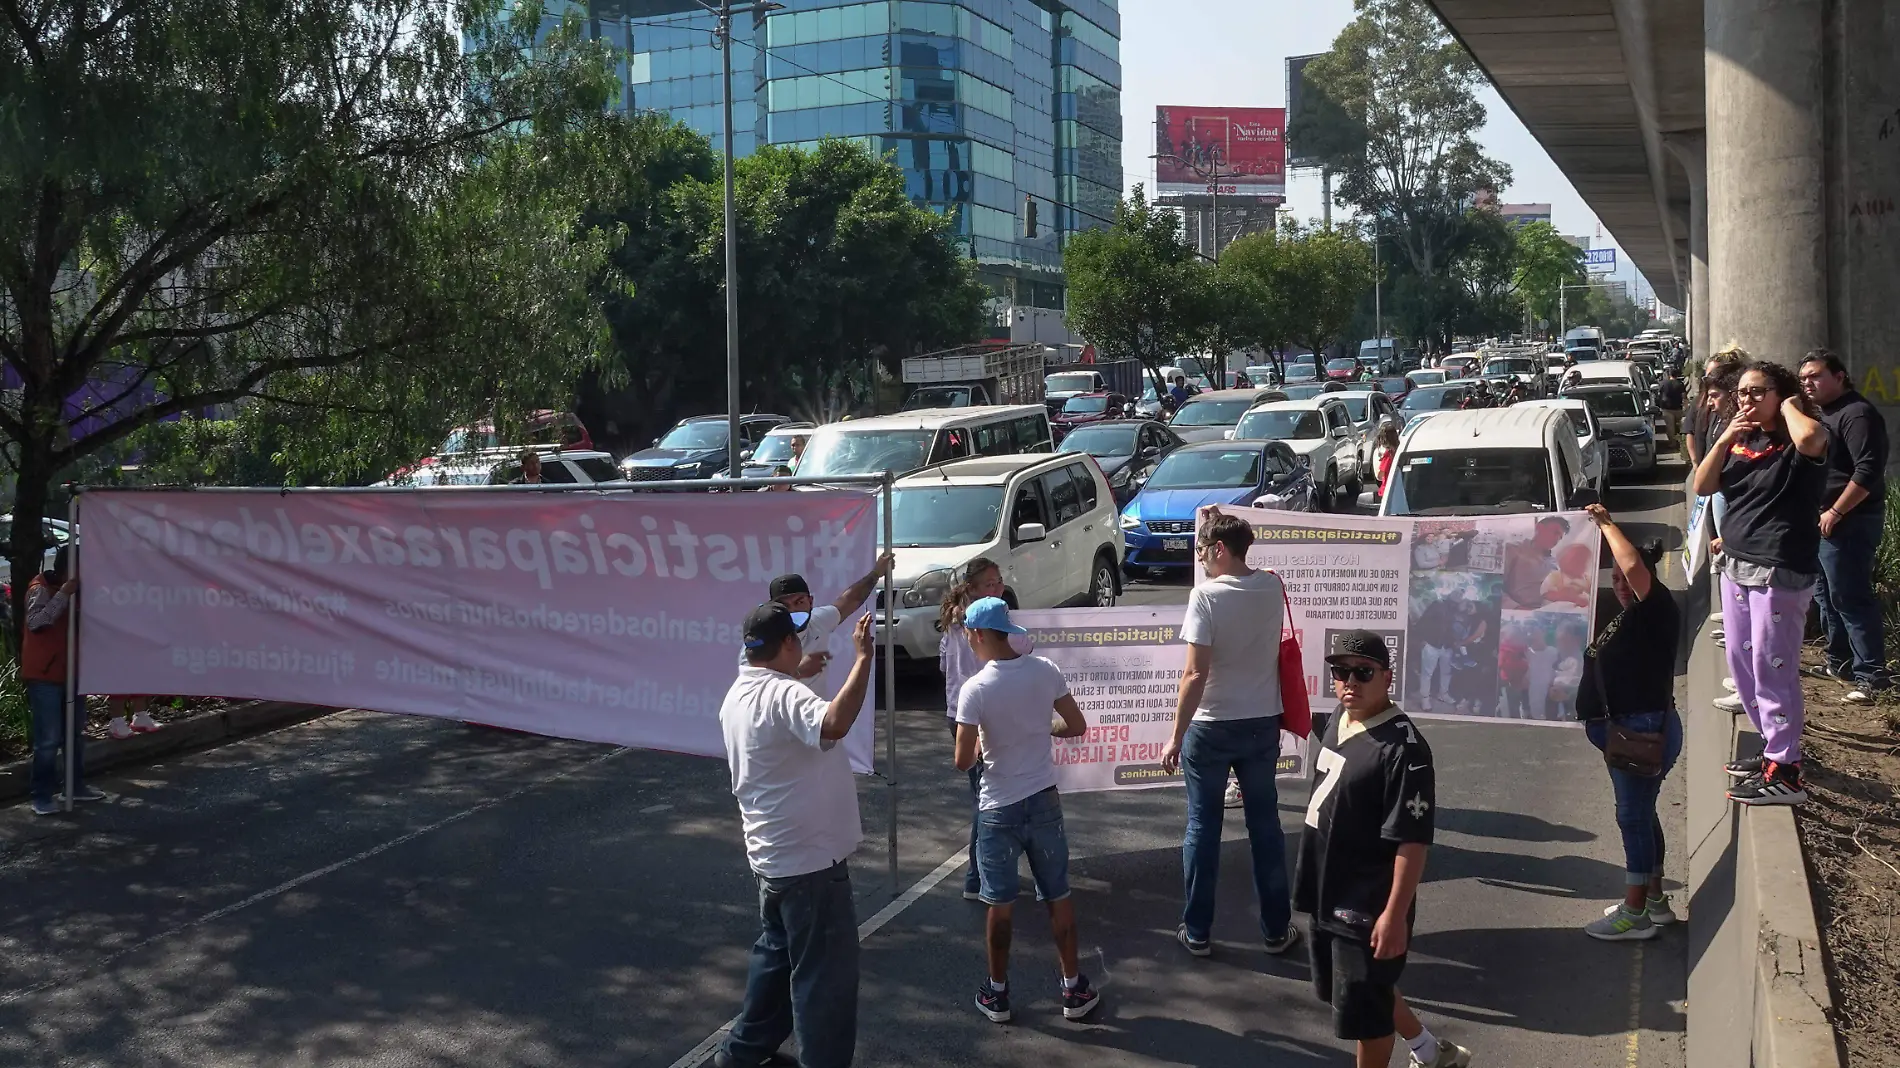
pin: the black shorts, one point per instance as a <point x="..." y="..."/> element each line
<point x="1362" y="991"/>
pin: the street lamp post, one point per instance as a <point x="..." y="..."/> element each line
<point x="722" y="40"/>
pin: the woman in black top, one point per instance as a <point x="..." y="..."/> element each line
<point x="1629" y="680"/>
<point x="1769" y="464"/>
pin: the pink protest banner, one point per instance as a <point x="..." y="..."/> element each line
<point x="611" y="617"/>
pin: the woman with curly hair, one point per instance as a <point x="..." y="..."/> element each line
<point x="1769" y="466"/>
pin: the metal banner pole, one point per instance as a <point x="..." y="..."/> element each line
<point x="72" y="663"/>
<point x="890" y="686"/>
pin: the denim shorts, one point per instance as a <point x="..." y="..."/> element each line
<point x="1031" y="827"/>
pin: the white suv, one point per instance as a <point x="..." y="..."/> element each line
<point x="1049" y="521"/>
<point x="580" y="468"/>
<point x="1320" y="430"/>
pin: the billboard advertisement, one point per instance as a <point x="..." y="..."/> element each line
<point x="1246" y="145"/>
<point x="1600" y="260"/>
<point x="1299" y="96"/>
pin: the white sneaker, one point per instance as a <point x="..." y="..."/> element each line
<point x="117" y="727"/>
<point x="143" y="723"/>
<point x="1728" y="702"/>
<point x="1450" y="1055"/>
<point x="1715" y="617"/>
<point x="1729" y="684"/>
<point x="1232" y="797"/>
<point x="1857" y="697"/>
<point x="1656" y="908"/>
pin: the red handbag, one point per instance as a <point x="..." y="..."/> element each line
<point x="1296" y="709"/>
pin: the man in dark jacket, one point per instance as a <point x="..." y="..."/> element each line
<point x="1851" y="527"/>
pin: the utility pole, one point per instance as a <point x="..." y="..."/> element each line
<point x="1378" y="291"/>
<point x="722" y="40"/>
<point x="1326" y="196"/>
<point x="1213" y="178"/>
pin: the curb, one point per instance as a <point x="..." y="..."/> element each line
<point x="1793" y="1003"/>
<point x="201" y="732"/>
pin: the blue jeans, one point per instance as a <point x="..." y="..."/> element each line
<point x="1636" y="795"/>
<point x="1845" y="594"/>
<point x="1250" y="749"/>
<point x="1033" y="828"/>
<point x="804" y="972"/>
<point x="47" y="703"/>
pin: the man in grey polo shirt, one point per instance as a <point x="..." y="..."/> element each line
<point x="799" y="808"/>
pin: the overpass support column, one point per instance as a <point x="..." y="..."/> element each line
<point x="1691" y="150"/>
<point x="1766" y="228"/>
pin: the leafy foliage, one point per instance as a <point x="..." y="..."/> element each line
<point x="1545" y="262"/>
<point x="839" y="273"/>
<point x="1137" y="288"/>
<point x="365" y="208"/>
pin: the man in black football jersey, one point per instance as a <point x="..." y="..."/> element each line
<point x="1361" y="857"/>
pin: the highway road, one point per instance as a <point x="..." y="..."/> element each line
<point x="399" y="892"/>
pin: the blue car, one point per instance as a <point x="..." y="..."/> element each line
<point x="1158" y="525"/>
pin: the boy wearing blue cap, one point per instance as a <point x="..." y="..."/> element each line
<point x="1004" y="719"/>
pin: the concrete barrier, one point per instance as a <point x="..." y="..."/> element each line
<point x="1758" y="991"/>
<point x="199" y="732"/>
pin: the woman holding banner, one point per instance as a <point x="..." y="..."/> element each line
<point x="1626" y="700"/>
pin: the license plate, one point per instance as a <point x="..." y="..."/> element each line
<point x="1170" y="544"/>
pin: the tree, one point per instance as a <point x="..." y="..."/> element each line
<point x="839" y="274"/>
<point x="1544" y="262"/>
<point x="1415" y="91"/>
<point x="1136" y="288"/>
<point x="366" y="209"/>
<point x="1332" y="270"/>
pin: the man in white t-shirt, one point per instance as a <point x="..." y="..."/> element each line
<point x="814" y="636"/>
<point x="799" y="809"/>
<point x="1006" y="714"/>
<point x="1227" y="721"/>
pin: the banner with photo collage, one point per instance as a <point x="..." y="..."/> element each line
<point x="1487" y="617"/>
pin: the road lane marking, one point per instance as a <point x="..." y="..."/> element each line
<point x="1636" y="1007"/>
<point x="288" y="885"/>
<point x="693" y="1057"/>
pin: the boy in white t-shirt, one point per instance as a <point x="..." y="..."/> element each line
<point x="1004" y="719"/>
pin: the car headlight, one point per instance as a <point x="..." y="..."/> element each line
<point x="930" y="588"/>
<point x="1129" y="522"/>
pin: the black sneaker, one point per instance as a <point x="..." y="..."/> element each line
<point x="992" y="1002"/>
<point x="1199" y="949"/>
<point x="1078" y="1000"/>
<point x="722" y="1059"/>
<point x="1778" y="784"/>
<point x="1285" y="942"/>
<point x="1745" y="768"/>
<point x="1826" y="673"/>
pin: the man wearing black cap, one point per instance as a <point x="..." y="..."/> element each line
<point x="799" y="807"/>
<point x="1367" y="828"/>
<point x="795" y="594"/>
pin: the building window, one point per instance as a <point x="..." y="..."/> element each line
<point x="828" y="24"/>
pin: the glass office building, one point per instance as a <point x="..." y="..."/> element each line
<point x="1005" y="114"/>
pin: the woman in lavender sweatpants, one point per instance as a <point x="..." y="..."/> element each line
<point x="1768" y="465"/>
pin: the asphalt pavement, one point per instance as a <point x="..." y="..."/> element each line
<point x="392" y="891"/>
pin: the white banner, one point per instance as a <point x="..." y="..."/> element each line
<point x="607" y="617"/>
<point x="1695" y="540"/>
<point x="1486" y="617"/>
<point x="1124" y="668"/>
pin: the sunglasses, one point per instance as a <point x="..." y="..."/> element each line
<point x="1360" y="673"/>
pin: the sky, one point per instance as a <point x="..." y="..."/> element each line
<point x="1233" y="53"/>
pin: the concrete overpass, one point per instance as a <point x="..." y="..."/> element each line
<point x="1745" y="154"/>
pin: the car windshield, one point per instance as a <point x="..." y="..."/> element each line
<point x="1427" y="378"/>
<point x="1069" y="383"/>
<point x="1511" y="367"/>
<point x="1342" y="364"/>
<point x="468" y="438"/>
<point x="1482" y="482"/>
<point x="1280" y="426"/>
<point x="1192" y="367"/>
<point x="1208" y="469"/>
<point x="1101" y="441"/>
<point x="1427" y="400"/>
<point x="1301" y="372"/>
<point x="940" y="516"/>
<point x="1085" y="406"/>
<point x="864" y="452"/>
<point x="939" y="397"/>
<point x="1393" y="385"/>
<point x="775" y="448"/>
<point x="703" y="434"/>
<point x="1212" y="413"/>
<point x="1305" y="392"/>
<point x="1618" y="404"/>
